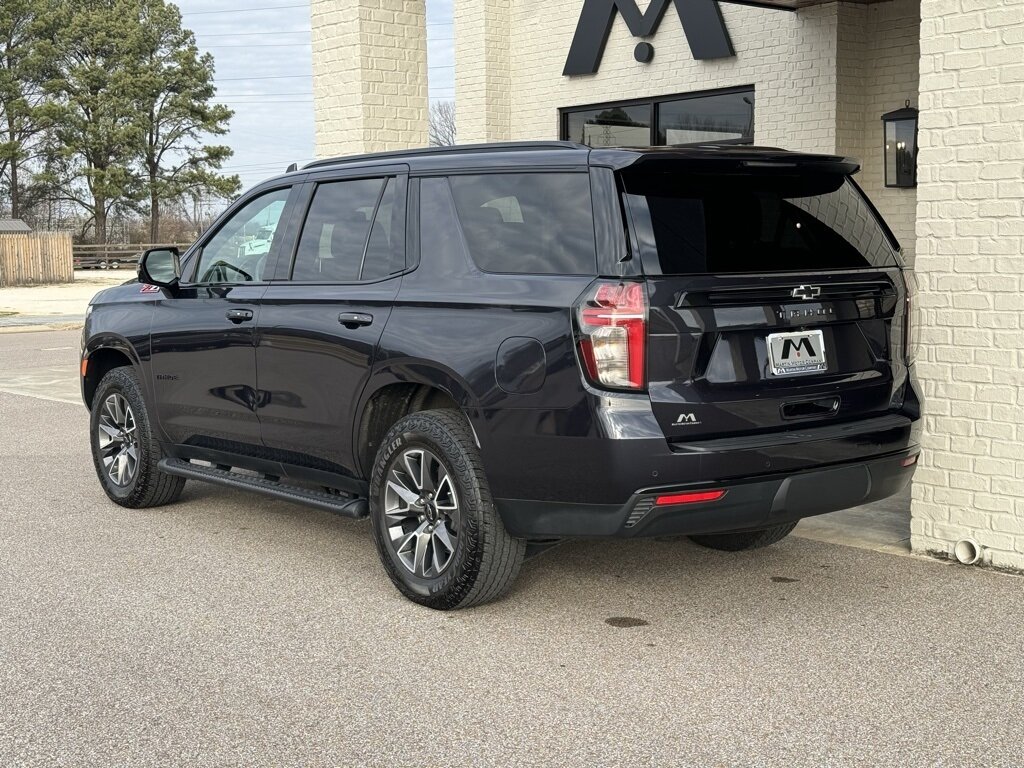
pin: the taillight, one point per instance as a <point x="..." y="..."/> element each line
<point x="613" y="335"/>
<point x="912" y="340"/>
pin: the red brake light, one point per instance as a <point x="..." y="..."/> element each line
<point x="613" y="341"/>
<point x="695" y="497"/>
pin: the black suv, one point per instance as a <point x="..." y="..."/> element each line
<point x="487" y="349"/>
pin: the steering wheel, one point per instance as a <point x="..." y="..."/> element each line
<point x="222" y="267"/>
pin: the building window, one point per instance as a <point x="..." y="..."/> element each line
<point x="692" y="118"/>
<point x="615" y="126"/>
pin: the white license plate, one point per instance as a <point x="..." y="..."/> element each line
<point x="796" y="352"/>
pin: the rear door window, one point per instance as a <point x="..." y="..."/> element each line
<point x="749" y="223"/>
<point x="349" y="235"/>
<point x="528" y="223"/>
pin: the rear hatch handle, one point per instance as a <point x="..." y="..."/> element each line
<point x="810" y="409"/>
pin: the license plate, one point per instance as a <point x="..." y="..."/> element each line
<point x="796" y="352"/>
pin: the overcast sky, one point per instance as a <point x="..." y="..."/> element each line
<point x="264" y="73"/>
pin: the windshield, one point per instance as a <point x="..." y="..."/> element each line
<point x="697" y="224"/>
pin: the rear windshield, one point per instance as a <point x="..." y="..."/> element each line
<point x="742" y="223"/>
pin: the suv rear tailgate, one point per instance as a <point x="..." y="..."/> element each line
<point x="775" y="293"/>
<point x="710" y="372"/>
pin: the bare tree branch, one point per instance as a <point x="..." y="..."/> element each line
<point x="442" y="124"/>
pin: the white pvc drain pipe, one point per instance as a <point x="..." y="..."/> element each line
<point x="967" y="551"/>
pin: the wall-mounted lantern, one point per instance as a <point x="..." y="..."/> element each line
<point x="901" y="147"/>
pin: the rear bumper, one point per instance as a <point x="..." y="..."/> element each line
<point x="550" y="482"/>
<point x="747" y="504"/>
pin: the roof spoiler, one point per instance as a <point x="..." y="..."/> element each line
<point x="726" y="159"/>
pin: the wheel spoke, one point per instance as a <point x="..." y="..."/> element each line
<point x="414" y="465"/>
<point x="429" y="466"/>
<point x="403" y="493"/>
<point x="419" y="565"/>
<point x="118" y="413"/>
<point x="109" y="431"/>
<point x="441" y="533"/>
<point x="438" y="562"/>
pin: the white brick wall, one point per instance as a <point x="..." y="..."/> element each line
<point x="789" y="58"/>
<point x="369" y="75"/>
<point x="878" y="72"/>
<point x="970" y="234"/>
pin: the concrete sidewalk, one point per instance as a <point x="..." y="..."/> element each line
<point x="56" y="304"/>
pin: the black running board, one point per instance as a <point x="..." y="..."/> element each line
<point x="338" y="505"/>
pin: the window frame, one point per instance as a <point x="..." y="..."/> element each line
<point x="515" y="171"/>
<point x="655" y="102"/>
<point x="194" y="256"/>
<point x="400" y="173"/>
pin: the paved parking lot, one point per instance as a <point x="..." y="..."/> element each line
<point x="232" y="630"/>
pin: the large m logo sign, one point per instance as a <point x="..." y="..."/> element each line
<point x="702" y="22"/>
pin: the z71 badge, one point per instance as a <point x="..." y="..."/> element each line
<point x="150" y="289"/>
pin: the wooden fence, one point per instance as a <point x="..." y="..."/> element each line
<point x="114" y="254"/>
<point x="36" y="257"/>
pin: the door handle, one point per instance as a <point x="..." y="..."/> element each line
<point x="354" y="319"/>
<point x="237" y="316"/>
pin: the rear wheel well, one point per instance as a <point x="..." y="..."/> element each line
<point x="387" y="406"/>
<point x="101" y="362"/>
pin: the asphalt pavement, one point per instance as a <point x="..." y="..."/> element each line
<point x="230" y="630"/>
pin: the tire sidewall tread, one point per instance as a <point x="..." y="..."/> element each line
<point x="487" y="558"/>
<point x="150" y="487"/>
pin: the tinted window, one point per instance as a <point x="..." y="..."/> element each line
<point x="754" y="224"/>
<point x="439" y="227"/>
<point x="333" y="247"/>
<point x="385" y="254"/>
<point x="536" y="223"/>
<point x="628" y="125"/>
<point x="238" y="252"/>
<point x="692" y="118"/>
<point x="723" y="117"/>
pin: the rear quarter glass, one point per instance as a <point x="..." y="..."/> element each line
<point x="745" y="223"/>
<point x="527" y="223"/>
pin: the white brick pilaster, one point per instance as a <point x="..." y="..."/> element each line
<point x="970" y="264"/>
<point x="369" y="75"/>
<point x="483" y="77"/>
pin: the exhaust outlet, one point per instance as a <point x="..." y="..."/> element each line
<point x="967" y="551"/>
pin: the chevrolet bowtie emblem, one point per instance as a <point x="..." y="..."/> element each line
<point x="806" y="292"/>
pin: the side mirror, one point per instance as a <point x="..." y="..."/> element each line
<point x="160" y="266"/>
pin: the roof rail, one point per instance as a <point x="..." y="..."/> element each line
<point x="510" y="146"/>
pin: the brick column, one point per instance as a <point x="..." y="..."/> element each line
<point x="369" y="75"/>
<point x="970" y="233"/>
<point x="483" y="80"/>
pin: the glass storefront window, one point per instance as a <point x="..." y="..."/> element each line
<point x="616" y="126"/>
<point x="726" y="117"/>
<point x="681" y="119"/>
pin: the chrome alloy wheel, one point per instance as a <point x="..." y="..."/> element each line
<point x="421" y="513"/>
<point x="118" y="440"/>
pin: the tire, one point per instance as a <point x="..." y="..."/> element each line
<point x="737" y="542"/>
<point x="450" y="550"/>
<point x="141" y="484"/>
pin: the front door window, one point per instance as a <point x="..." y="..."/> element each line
<point x="240" y="250"/>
